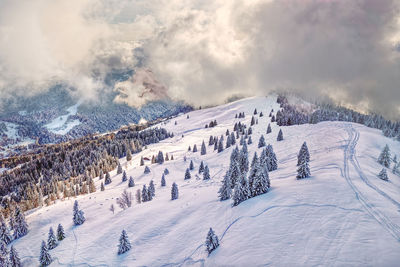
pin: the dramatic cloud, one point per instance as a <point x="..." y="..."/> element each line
<point x="205" y="51"/>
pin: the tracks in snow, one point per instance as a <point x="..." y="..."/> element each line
<point x="350" y="157"/>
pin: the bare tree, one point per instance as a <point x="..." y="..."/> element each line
<point x="125" y="201"/>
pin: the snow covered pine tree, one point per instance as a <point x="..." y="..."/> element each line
<point x="78" y="215"/>
<point x="124" y="244"/>
<point x="211" y="241"/>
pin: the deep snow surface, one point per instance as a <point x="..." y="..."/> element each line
<point x="342" y="216"/>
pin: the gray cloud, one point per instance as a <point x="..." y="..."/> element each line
<point x="205" y="51"/>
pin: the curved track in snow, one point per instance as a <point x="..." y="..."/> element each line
<point x="350" y="157"/>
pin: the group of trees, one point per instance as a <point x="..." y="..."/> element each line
<point x="16" y="228"/>
<point x="385" y="160"/>
<point x="68" y="169"/>
<point x="291" y="115"/>
<point x="9" y="258"/>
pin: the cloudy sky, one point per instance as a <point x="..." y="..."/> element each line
<point x="206" y="50"/>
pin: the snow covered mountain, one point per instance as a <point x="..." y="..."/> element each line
<point x="343" y="215"/>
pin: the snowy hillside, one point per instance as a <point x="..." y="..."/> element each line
<point x="343" y="215"/>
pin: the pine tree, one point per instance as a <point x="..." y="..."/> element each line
<point x="108" y="179"/>
<point x="261" y="142"/>
<point x="303" y="154"/>
<point x="20" y="226"/>
<point x="216" y="144"/>
<point x="206" y="174"/>
<point x="280" y="135"/>
<point x="163" y="183"/>
<point x="124" y="244"/>
<point x="146" y="170"/>
<point x="124" y="177"/>
<point x="191" y="165"/>
<point x="160" y="158"/>
<point x="51" y="240"/>
<point x="201" y="167"/>
<point x="384" y="157"/>
<point x="102" y="187"/>
<point x="271" y="160"/>
<point x="60" y="232"/>
<point x="138" y="196"/>
<point x="119" y="169"/>
<point x="145" y="194"/>
<point x="203" y="149"/>
<point x="211" y="241"/>
<point x="396" y="168"/>
<point x="152" y="189"/>
<point x="78" y="215"/>
<point x="14" y="260"/>
<point x="194" y="148"/>
<point x="45" y="257"/>
<point x="174" y="191"/>
<point x="131" y="182"/>
<point x="166" y="171"/>
<point x="187" y="174"/>
<point x="253" y="121"/>
<point x="225" y="191"/>
<point x="269" y="130"/>
<point x="253" y="172"/>
<point x="383" y="175"/>
<point x="233" y="140"/>
<point x="4" y="232"/>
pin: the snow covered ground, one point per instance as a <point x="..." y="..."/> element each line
<point x="62" y="124"/>
<point x="344" y="215"/>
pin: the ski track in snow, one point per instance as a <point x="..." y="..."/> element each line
<point x="349" y="155"/>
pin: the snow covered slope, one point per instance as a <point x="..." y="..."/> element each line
<point x="341" y="216"/>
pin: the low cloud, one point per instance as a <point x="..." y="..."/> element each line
<point x="205" y="51"/>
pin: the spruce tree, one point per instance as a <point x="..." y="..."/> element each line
<point x="303" y="154"/>
<point x="3" y="255"/>
<point x="160" y="158"/>
<point x="14" y="260"/>
<point x="216" y="144"/>
<point x="253" y="172"/>
<point x="261" y="142"/>
<point x="244" y="160"/>
<point x="261" y="182"/>
<point x="280" y="135"/>
<point x="253" y="121"/>
<point x="269" y="130"/>
<point x="78" y="215"/>
<point x="220" y="145"/>
<point x="20" y="226"/>
<point x="166" y="171"/>
<point x="201" y="167"/>
<point x="124" y="244"/>
<point x="163" y="183"/>
<point x="384" y="157"/>
<point x="146" y="170"/>
<point x="249" y="141"/>
<point x="45" y="257"/>
<point x="225" y="191"/>
<point x="206" y="173"/>
<point x="396" y="168"/>
<point x="145" y="194"/>
<point x="194" y="148"/>
<point x="272" y="162"/>
<point x="174" y="191"/>
<point x="119" y="169"/>
<point x="234" y="174"/>
<point x="51" y="240"/>
<point x="383" y="175"/>
<point x="108" y="179"/>
<point x="131" y="182"/>
<point x="203" y="148"/>
<point x="303" y="170"/>
<point x="228" y="142"/>
<point x="60" y="232"/>
<point x="152" y="189"/>
<point x="241" y="191"/>
<point x="124" y="177"/>
<point x="211" y="241"/>
<point x="187" y="174"/>
<point x="5" y="235"/>
<point x="191" y="165"/>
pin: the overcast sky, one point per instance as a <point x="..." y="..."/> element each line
<point x="206" y="50"/>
